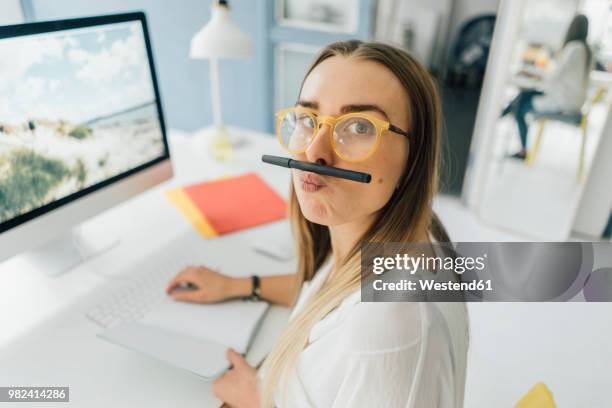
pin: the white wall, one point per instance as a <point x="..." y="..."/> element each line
<point x="596" y="203"/>
<point x="510" y="11"/>
<point x="11" y="12"/>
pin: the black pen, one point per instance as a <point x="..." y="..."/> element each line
<point x="317" y="168"/>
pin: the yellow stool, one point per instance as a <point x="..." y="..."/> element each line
<point x="538" y="397"/>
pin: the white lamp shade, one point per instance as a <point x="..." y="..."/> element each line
<point x="221" y="38"/>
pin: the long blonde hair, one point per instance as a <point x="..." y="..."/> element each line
<point x="406" y="215"/>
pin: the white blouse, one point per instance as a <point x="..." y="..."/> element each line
<point x="565" y="88"/>
<point x="403" y="354"/>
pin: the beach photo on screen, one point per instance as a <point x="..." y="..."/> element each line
<point x="76" y="107"/>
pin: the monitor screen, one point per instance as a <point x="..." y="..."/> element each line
<point x="79" y="108"/>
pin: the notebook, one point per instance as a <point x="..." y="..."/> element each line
<point x="190" y="336"/>
<point x="229" y="204"/>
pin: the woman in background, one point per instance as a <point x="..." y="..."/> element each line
<point x="565" y="88"/>
<point x="372" y="108"/>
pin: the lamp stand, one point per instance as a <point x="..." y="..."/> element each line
<point x="221" y="146"/>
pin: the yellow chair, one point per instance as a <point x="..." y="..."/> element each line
<point x="579" y="119"/>
<point x="539" y="396"/>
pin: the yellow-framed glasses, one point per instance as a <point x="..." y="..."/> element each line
<point x="354" y="136"/>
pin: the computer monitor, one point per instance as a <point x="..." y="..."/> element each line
<point x="81" y="129"/>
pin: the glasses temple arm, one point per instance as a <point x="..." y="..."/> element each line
<point x="398" y="130"/>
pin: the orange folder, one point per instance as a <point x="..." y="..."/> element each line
<point x="229" y="204"/>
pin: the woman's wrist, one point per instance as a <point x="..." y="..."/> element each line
<point x="240" y="287"/>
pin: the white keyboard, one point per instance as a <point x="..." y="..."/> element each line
<point x="147" y="288"/>
<point x="147" y="282"/>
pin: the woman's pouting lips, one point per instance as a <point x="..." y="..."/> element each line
<point x="311" y="182"/>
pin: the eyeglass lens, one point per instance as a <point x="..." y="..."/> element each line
<point x="354" y="137"/>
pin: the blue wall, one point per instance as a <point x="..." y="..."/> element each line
<point x="184" y="83"/>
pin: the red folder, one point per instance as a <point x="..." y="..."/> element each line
<point x="229" y="204"/>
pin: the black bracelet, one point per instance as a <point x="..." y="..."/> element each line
<point x="256" y="290"/>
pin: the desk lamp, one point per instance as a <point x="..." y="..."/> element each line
<point x="220" y="38"/>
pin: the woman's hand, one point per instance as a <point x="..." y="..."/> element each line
<point x="237" y="388"/>
<point x="207" y="286"/>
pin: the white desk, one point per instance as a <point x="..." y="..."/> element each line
<point x="45" y="338"/>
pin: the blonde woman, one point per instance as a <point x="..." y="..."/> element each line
<point x="373" y="108"/>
